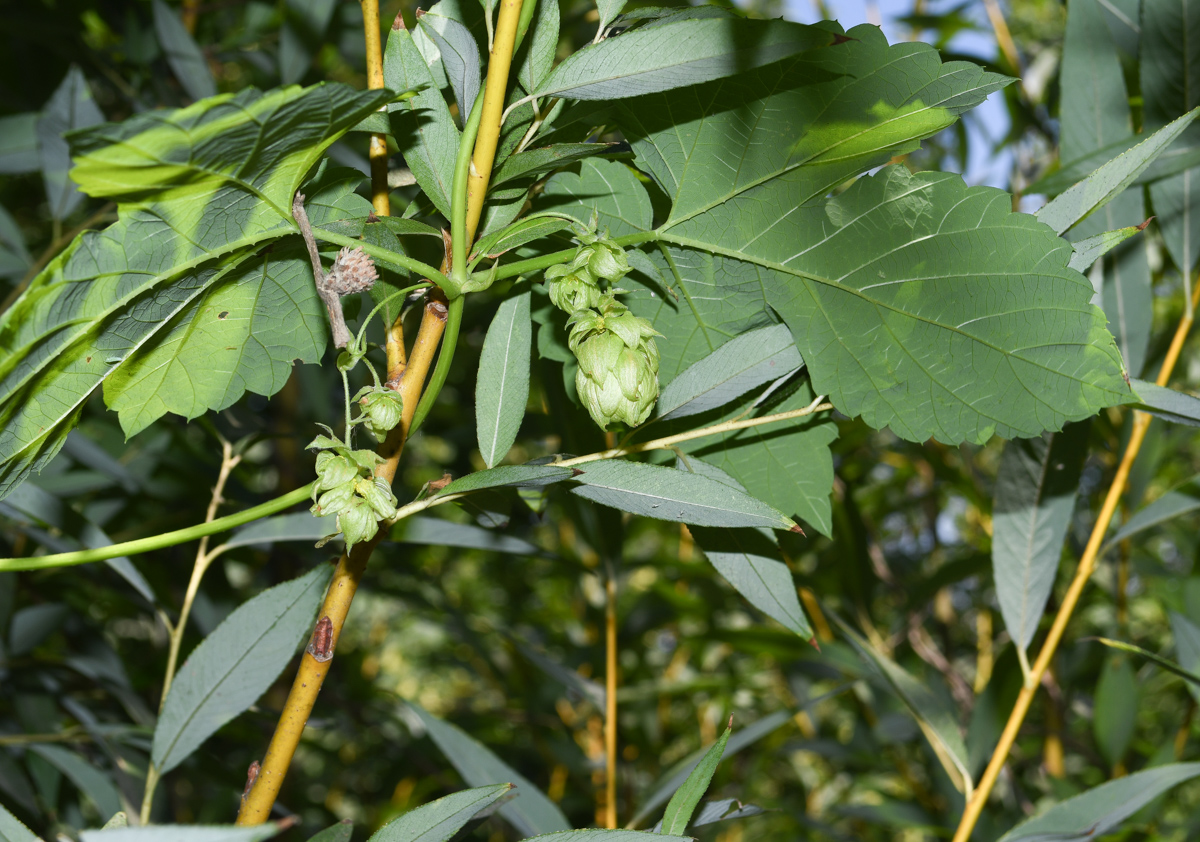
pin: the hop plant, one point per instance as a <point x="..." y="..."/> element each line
<point x="572" y="286"/>
<point x="346" y="486"/>
<point x="618" y="363"/>
<point x="381" y="410"/>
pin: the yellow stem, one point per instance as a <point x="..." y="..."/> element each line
<point x="1087" y="564"/>
<point x="378" y="153"/>
<point x="610" y="701"/>
<point x="493" y="107"/>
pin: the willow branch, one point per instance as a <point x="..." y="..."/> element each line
<point x="1087" y="565"/>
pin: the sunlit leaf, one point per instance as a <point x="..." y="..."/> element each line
<point x="502" y="386"/>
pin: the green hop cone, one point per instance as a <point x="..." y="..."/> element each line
<point x="572" y="288"/>
<point x="333" y="470"/>
<point x="357" y="523"/>
<point x="378" y="494"/>
<point x="381" y="410"/>
<point x="618" y="363"/>
<point x="335" y="500"/>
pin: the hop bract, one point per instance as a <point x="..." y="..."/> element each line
<point x="381" y="410"/>
<point x="618" y="363"/>
<point x="572" y="286"/>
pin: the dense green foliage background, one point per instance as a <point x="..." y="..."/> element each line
<point x="504" y="638"/>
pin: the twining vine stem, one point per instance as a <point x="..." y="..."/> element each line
<point x="1087" y="564"/>
<point x="204" y="558"/>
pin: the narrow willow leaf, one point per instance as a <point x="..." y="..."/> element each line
<point x="1101" y="809"/>
<point x="12" y="830"/>
<point x="71" y="107"/>
<point x="668" y="494"/>
<point x="15" y="259"/>
<point x="683" y="803"/>
<point x="422" y="125"/>
<point x="1176" y="407"/>
<point x="1088" y="251"/>
<point x="537" y="56"/>
<point x="544" y="159"/>
<point x="1181" y="500"/>
<point x="1035" y="498"/>
<point x="1170" y="83"/>
<point x="934" y="716"/>
<point x="340" y="832"/>
<point x="1187" y="640"/>
<point x="1187" y="649"/>
<point x="726" y="809"/>
<point x="608" y="189"/>
<point x="606" y="836"/>
<point x="183" y="833"/>
<point x="741" y="364"/>
<point x="75" y="324"/>
<point x="460" y="56"/>
<point x="183" y="53"/>
<point x="19" y="144"/>
<point x="523" y="231"/>
<point x="441" y="819"/>
<point x="94" y="783"/>
<point x="1106" y="182"/>
<point x="573" y="681"/>
<point x="608" y="9"/>
<point x="664" y="789"/>
<point x="749" y="560"/>
<point x="677" y="54"/>
<point x="235" y="665"/>
<point x="121" y="819"/>
<point x="1114" y="709"/>
<point x="502" y="387"/>
<point x="304" y="26"/>
<point x="521" y="476"/>
<point x="530" y="812"/>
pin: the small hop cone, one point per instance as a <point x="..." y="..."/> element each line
<point x="381" y="411"/>
<point x="572" y="288"/>
<point x="353" y="271"/>
<point x="357" y="523"/>
<point x="335" y="500"/>
<point x="377" y="493"/>
<point x="333" y="470"/>
<point x="618" y="364"/>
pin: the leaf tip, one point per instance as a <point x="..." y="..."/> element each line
<point x="576" y="472"/>
<point x="398" y="23"/>
<point x="812" y="641"/>
<point x="796" y="528"/>
<point x="1142" y="227"/>
<point x="841" y="38"/>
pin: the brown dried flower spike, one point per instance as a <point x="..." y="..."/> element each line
<point x="352" y="272"/>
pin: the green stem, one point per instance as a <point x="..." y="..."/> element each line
<point x="445" y="358"/>
<point x="537" y="264"/>
<point x="458" y="201"/>
<point x="379" y="253"/>
<point x="158" y="542"/>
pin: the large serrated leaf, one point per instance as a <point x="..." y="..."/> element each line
<point x="1103" y="808"/>
<point x="235" y="665"/>
<point x="668" y="494"/>
<point x="891" y="284"/>
<point x="530" y="812"/>
<point x="677" y="54"/>
<point x="502" y="386"/>
<point x="606" y="188"/>
<point x="441" y="819"/>
<point x="1035" y="498"/>
<point x="99" y="303"/>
